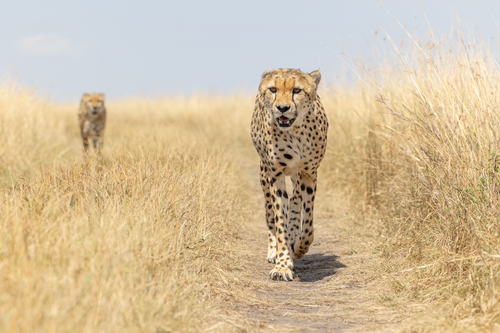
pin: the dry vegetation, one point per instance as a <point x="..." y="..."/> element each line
<point x="126" y="242"/>
<point x="136" y="240"/>
<point x="419" y="140"/>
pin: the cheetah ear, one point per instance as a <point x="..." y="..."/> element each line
<point x="268" y="72"/>
<point x="316" y="76"/>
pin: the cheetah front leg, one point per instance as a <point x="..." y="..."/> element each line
<point x="271" y="226"/>
<point x="284" y="262"/>
<point x="308" y="190"/>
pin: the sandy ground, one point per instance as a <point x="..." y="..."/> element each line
<point x="338" y="285"/>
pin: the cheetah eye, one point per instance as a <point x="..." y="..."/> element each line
<point x="296" y="90"/>
<point x="273" y="89"/>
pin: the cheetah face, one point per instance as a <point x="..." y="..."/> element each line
<point x="288" y="94"/>
<point x="94" y="104"/>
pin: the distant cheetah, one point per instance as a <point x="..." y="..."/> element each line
<point x="289" y="130"/>
<point x="92" y="119"/>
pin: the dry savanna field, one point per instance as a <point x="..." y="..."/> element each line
<point x="148" y="236"/>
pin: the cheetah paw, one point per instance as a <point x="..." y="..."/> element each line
<point x="299" y="255"/>
<point x="281" y="274"/>
<point x="298" y="252"/>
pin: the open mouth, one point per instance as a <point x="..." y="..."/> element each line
<point x="284" y="121"/>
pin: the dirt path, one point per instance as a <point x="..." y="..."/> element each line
<point x="334" y="290"/>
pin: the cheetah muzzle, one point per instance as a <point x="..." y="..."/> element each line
<point x="284" y="121"/>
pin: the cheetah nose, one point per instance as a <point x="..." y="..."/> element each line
<point x="95" y="108"/>
<point x="283" y="108"/>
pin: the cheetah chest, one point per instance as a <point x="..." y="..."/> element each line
<point x="292" y="154"/>
<point x="91" y="128"/>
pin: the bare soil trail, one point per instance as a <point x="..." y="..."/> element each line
<point x="335" y="288"/>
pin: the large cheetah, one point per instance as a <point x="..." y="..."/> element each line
<point x="289" y="130"/>
<point x="92" y="119"/>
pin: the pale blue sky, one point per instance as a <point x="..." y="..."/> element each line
<point x="153" y="48"/>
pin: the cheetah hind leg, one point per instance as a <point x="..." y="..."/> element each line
<point x="97" y="144"/>
<point x="304" y="241"/>
<point x="85" y="141"/>
<point x="295" y="222"/>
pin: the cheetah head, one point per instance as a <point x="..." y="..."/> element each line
<point x="288" y="94"/>
<point x="94" y="104"/>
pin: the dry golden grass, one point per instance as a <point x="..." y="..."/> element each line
<point x="418" y="140"/>
<point x="31" y="130"/>
<point x="141" y="238"/>
<point x="129" y="241"/>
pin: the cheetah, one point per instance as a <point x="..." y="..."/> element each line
<point x="289" y="131"/>
<point x="92" y="119"/>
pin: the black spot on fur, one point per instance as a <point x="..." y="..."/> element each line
<point x="288" y="156"/>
